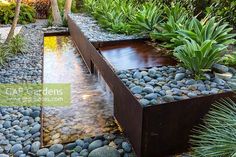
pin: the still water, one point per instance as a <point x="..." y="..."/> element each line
<point x="91" y="109"/>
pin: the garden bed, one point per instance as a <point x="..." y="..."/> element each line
<point x="154" y="128"/>
<point x="94" y="33"/>
<point x="20" y="126"/>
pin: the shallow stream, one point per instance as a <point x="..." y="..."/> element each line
<point x="91" y="109"/>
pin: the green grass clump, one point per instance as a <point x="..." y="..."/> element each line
<point x="217" y="137"/>
<point x="4" y="54"/>
<point x="16" y="45"/>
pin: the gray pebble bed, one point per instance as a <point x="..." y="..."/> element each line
<point x="27" y="67"/>
<point x="108" y="145"/>
<point x="20" y="126"/>
<point x="164" y="84"/>
<point x="95" y="33"/>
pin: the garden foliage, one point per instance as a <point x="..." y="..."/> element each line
<point x="112" y="15"/>
<point x="196" y="43"/>
<point x="7" y="12"/>
<point x="225" y="9"/>
<point x="147" y="18"/>
<point x="176" y="18"/>
<point x="229" y="59"/>
<point x="217" y="136"/>
<point x="198" y="57"/>
<point x="16" y="45"/>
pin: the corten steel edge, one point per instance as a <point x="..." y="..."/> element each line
<point x="153" y="131"/>
<point x="81" y="43"/>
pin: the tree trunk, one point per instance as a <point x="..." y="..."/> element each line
<point x="15" y="20"/>
<point x="67" y="9"/>
<point x="57" y="21"/>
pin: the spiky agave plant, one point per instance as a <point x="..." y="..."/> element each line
<point x="198" y="57"/>
<point x="112" y="15"/>
<point x="147" y="17"/>
<point x="176" y="18"/>
<point x="117" y="18"/>
<point x="217" y="136"/>
<point x="208" y="29"/>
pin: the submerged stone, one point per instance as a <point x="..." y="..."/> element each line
<point x="105" y="151"/>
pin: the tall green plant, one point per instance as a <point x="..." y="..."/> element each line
<point x="177" y="18"/>
<point x="147" y="18"/>
<point x="17" y="45"/>
<point x="198" y="57"/>
<point x="208" y="29"/>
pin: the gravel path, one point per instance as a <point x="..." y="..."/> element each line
<point x="20" y="126"/>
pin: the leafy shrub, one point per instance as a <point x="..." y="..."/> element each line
<point x="7" y="12"/>
<point x="188" y="4"/>
<point x="147" y="17"/>
<point x="209" y="29"/>
<point x="88" y="5"/>
<point x="174" y="32"/>
<point x="217" y="136"/>
<point x="177" y="18"/>
<point x="4" y="54"/>
<point x="225" y="9"/>
<point x="17" y="45"/>
<point x="198" y="57"/>
<point x="208" y="39"/>
<point x="112" y="15"/>
<point x="230" y="59"/>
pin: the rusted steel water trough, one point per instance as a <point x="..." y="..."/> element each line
<point x="154" y="131"/>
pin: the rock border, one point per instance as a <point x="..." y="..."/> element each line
<point x="157" y="85"/>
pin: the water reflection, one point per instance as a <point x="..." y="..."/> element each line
<point x="90" y="113"/>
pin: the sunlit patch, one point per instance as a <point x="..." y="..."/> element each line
<point x="86" y="96"/>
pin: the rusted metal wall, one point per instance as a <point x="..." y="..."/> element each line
<point x="154" y="131"/>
